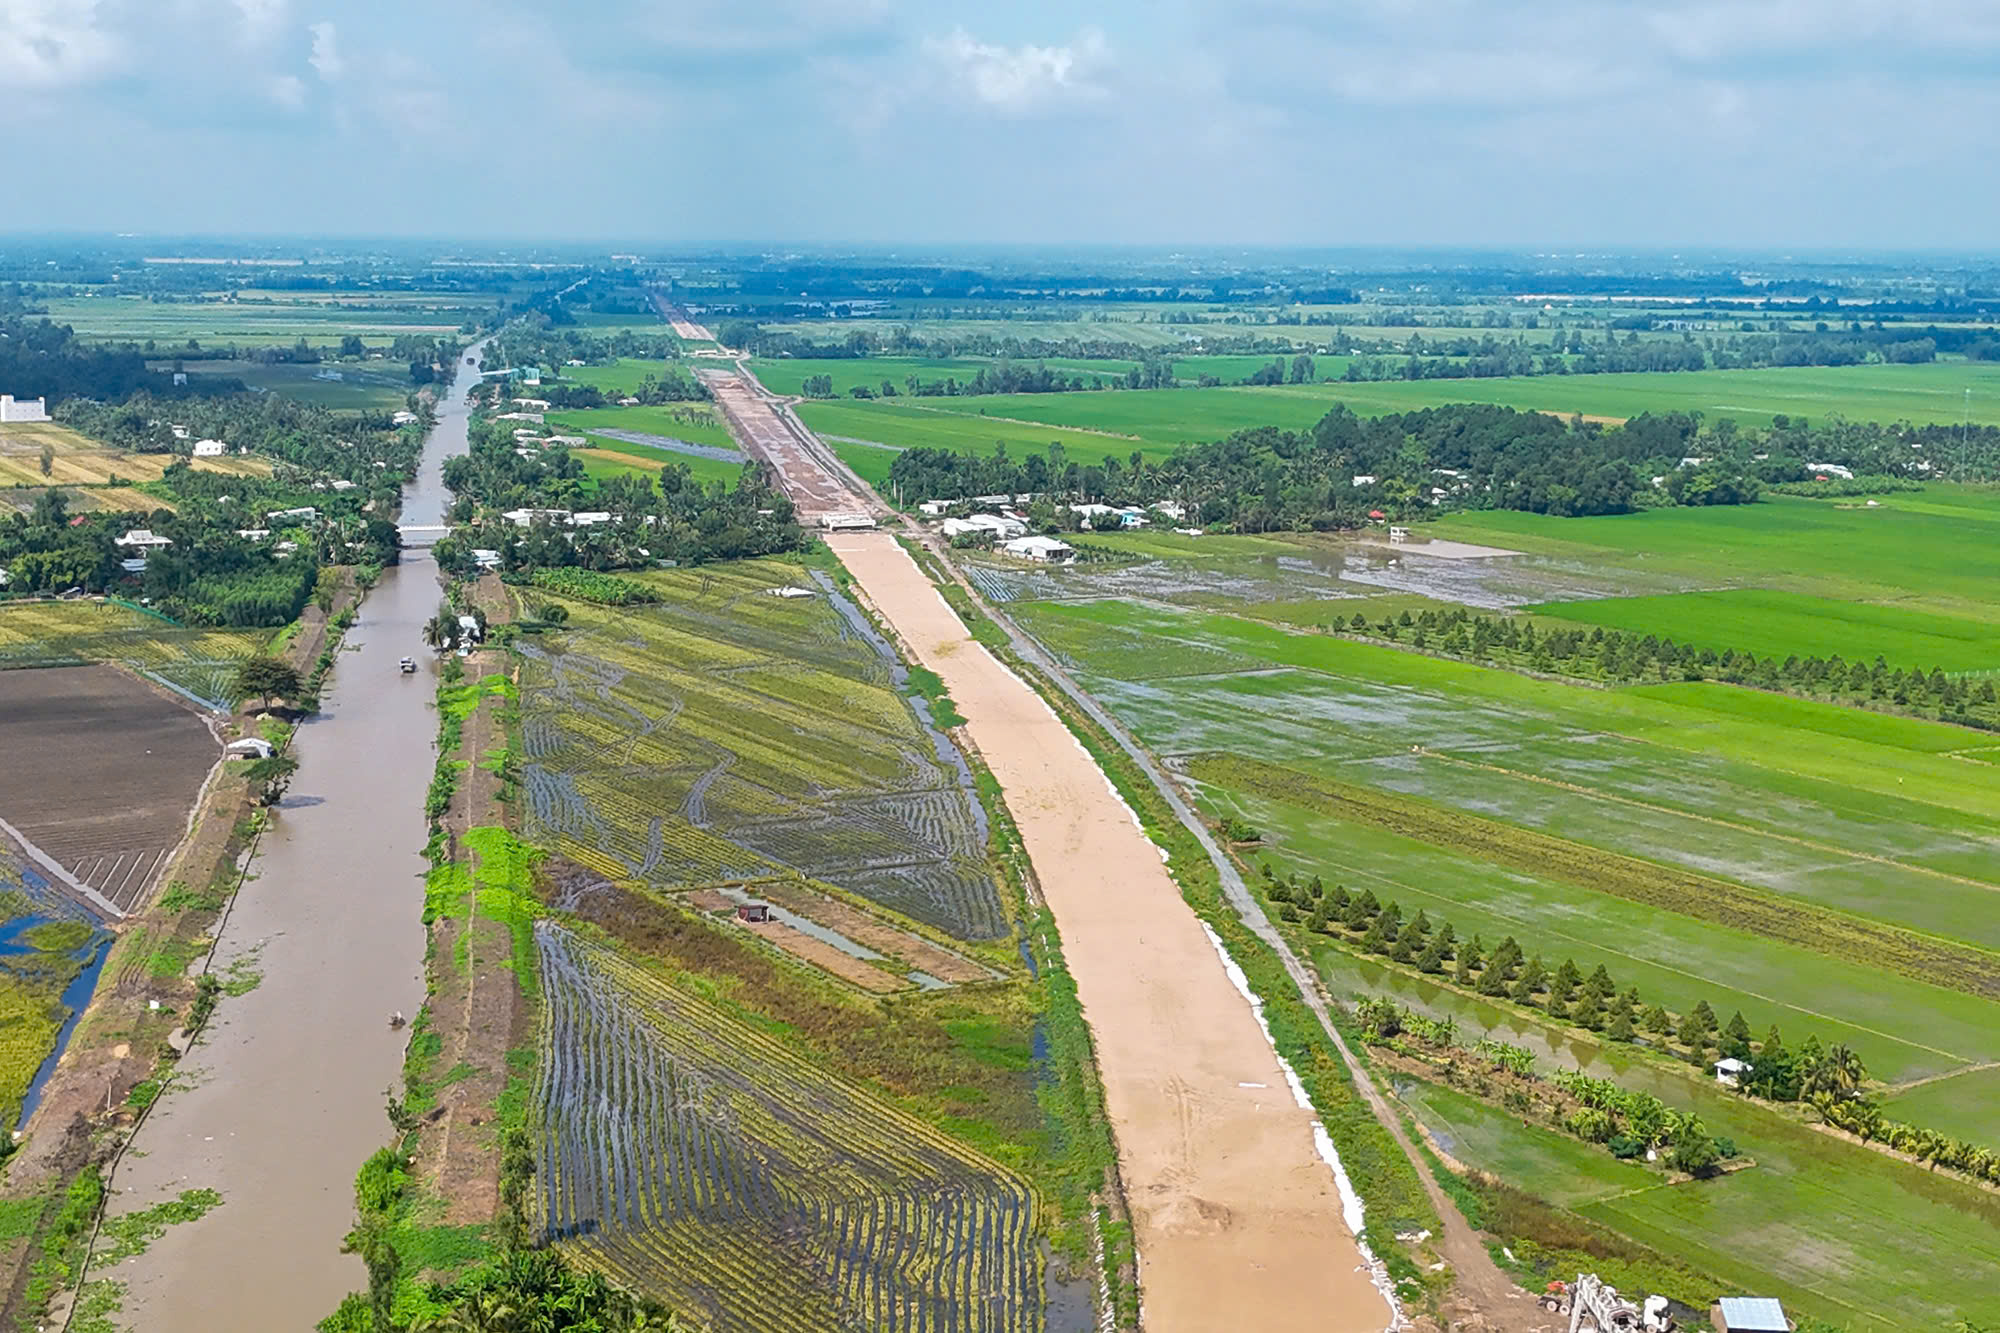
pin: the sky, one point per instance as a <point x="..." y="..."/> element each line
<point x="1808" y="124"/>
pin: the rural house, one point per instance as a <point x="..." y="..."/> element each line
<point x="210" y="448"/>
<point x="1002" y="529"/>
<point x="1046" y="549"/>
<point x="23" y="409"/>
<point x="142" y="539"/>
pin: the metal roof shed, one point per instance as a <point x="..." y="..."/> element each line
<point x="1753" y="1314"/>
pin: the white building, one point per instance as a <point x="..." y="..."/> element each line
<point x="521" y="518"/>
<point x="403" y="419"/>
<point x="484" y="558"/>
<point x="142" y="539"/>
<point x="342" y="484"/>
<point x="1363" y="479"/>
<point x="935" y="508"/>
<point x="23" y="409"/>
<point x="210" y="448"/>
<point x="1046" y="549"/>
<point x="468" y="630"/>
<point x="303" y="514"/>
<point x="1831" y="470"/>
<point x="254" y="534"/>
<point x="847" y="522"/>
<point x="1729" y="1071"/>
<point x="590" y="518"/>
<point x="1001" y="529"/>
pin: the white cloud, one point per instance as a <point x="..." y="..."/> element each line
<point x="325" y="56"/>
<point x="261" y="18"/>
<point x="53" y="43"/>
<point x="287" y="90"/>
<point x="1020" y="78"/>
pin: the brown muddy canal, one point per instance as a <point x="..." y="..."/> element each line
<point x="283" y="1099"/>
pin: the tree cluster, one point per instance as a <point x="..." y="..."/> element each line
<point x="43" y="359"/>
<point x="663" y="517"/>
<point x="1627" y="1123"/>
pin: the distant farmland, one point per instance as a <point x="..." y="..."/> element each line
<point x="1160" y="419"/>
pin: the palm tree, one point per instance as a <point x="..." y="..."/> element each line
<point x="441" y="632"/>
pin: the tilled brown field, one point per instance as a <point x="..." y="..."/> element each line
<point x="100" y="772"/>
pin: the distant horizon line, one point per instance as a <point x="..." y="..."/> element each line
<point x="612" y="244"/>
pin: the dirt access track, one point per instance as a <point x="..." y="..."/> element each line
<point x="1237" y="1218"/>
<point x="99" y="773"/>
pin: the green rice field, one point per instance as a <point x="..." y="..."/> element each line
<point x="281" y="319"/>
<point x="383" y="385"/>
<point x="1937" y="549"/>
<point x="621" y="376"/>
<point x="1841" y="811"/>
<point x="1802" y="1224"/>
<point x="609" y="456"/>
<point x="1162" y="419"/>
<point x="1773" y="623"/>
<point x="1566" y="816"/>
<point x="788" y="375"/>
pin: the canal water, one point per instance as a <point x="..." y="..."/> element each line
<point x="283" y="1099"/>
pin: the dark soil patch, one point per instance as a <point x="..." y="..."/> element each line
<point x="100" y="773"/>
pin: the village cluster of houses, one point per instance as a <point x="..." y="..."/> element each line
<point x="998" y="518"/>
<point x="141" y="542"/>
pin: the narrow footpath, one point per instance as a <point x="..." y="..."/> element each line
<point x="283" y="1098"/>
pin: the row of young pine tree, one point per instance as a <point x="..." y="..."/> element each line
<point x="1620" y="656"/>
<point x="1832" y="1079"/>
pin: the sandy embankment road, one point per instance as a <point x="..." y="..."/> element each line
<point x="683" y="324"/>
<point x="1237" y="1219"/>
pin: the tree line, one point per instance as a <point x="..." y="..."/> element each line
<point x="1624" y="657"/>
<point x="1349" y="470"/>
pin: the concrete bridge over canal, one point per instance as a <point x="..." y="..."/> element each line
<point x="421" y="536"/>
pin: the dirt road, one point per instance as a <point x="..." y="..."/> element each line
<point x="684" y="326"/>
<point x="815" y="490"/>
<point x="1237" y="1219"/>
